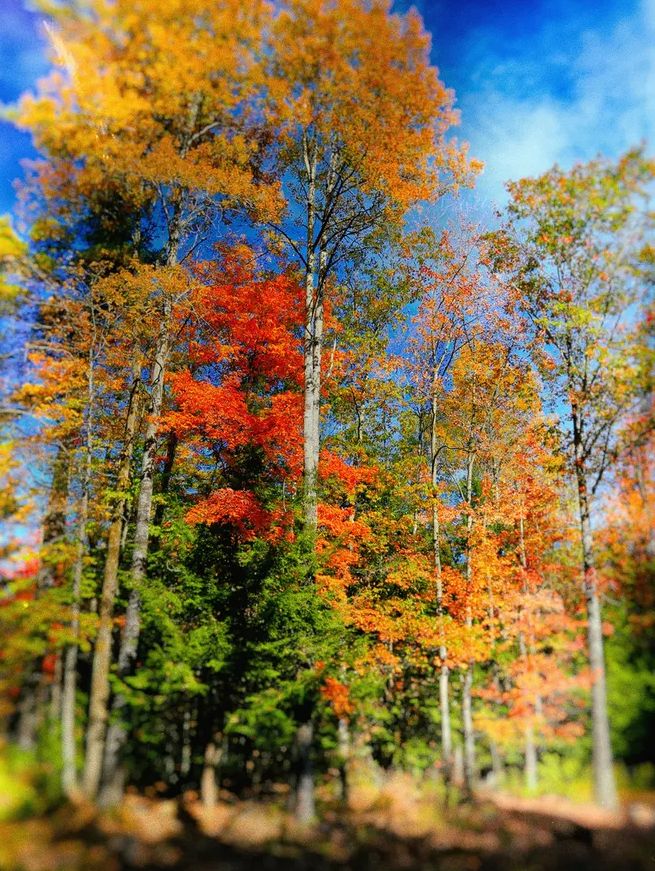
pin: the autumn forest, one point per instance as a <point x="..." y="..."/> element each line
<point x="321" y="491"/>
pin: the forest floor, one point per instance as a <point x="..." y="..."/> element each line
<point x="496" y="832"/>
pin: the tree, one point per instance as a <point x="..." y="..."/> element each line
<point x="572" y="245"/>
<point x="339" y="73"/>
<point x="170" y="125"/>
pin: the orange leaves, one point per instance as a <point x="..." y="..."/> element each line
<point x="132" y="102"/>
<point x="349" y="476"/>
<point x="239" y="509"/>
<point x="340" y="523"/>
<point x="217" y="413"/>
<point x="338" y="696"/>
<point x="341" y="72"/>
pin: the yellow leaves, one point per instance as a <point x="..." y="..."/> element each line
<point x="160" y="92"/>
<point x="360" y="77"/>
<point x="12" y="251"/>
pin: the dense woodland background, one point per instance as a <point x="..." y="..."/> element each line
<point x="306" y="482"/>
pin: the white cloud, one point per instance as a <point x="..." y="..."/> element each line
<point x="572" y="101"/>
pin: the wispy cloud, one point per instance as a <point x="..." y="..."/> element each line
<point x="567" y="99"/>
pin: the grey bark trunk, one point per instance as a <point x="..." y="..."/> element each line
<point x="311" y="350"/>
<point x="208" y="780"/>
<point x="99" y="694"/>
<point x="469" y="735"/>
<point x="68" y="742"/>
<point x="467" y="679"/>
<point x="68" y="709"/>
<point x="305" y="805"/>
<point x="530" y="746"/>
<point x="444" y="674"/>
<point x="602" y="761"/>
<point x="496" y="764"/>
<point x="113" y="777"/>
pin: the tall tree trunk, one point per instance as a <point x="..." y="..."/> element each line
<point x="208" y="781"/>
<point x="311" y="347"/>
<point x="68" y="742"/>
<point x="605" y="787"/>
<point x="305" y="804"/>
<point x="467" y="678"/>
<point x="444" y="676"/>
<point x="113" y="776"/>
<point x="99" y="694"/>
<point x="34" y="691"/>
<point x="496" y="764"/>
<point x="68" y="710"/>
<point x="602" y="761"/>
<point x="469" y="735"/>
<point x="54" y="524"/>
<point x="530" y="746"/>
<point x="343" y="739"/>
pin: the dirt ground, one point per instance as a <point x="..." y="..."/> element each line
<point x="397" y="831"/>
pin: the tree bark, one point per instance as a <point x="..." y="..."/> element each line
<point x="343" y="738"/>
<point x="68" y="742"/>
<point x="444" y="673"/>
<point x="469" y="735"/>
<point x="305" y="805"/>
<point x="208" y="781"/>
<point x="68" y="711"/>
<point x="530" y="747"/>
<point x="99" y="694"/>
<point x="311" y="348"/>
<point x="467" y="678"/>
<point x="113" y="777"/>
<point x="33" y="693"/>
<point x="602" y="761"/>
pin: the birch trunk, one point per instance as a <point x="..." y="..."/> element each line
<point x="467" y="679"/>
<point x="113" y="776"/>
<point x="444" y="676"/>
<point x="602" y="761"/>
<point x="99" y="694"/>
<point x="343" y="739"/>
<point x="469" y="735"/>
<point x="68" y="742"/>
<point x="530" y="746"/>
<point x="311" y="349"/>
<point x="34" y="691"/>
<point x="305" y="805"/>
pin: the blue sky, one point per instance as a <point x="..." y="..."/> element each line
<point x="537" y="81"/>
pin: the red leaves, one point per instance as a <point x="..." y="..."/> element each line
<point x="237" y="508"/>
<point x="242" y="397"/>
<point x="350" y="476"/>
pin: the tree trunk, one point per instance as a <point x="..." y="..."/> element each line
<point x="444" y="706"/>
<point x="458" y="766"/>
<point x="99" y="694"/>
<point x="208" y="782"/>
<point x="530" y="769"/>
<point x="469" y="735"/>
<point x="467" y="678"/>
<point x="113" y="779"/>
<point x="602" y="762"/>
<point x="68" y="708"/>
<point x="343" y="738"/>
<point x="311" y="349"/>
<point x="444" y="695"/>
<point x="305" y="805"/>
